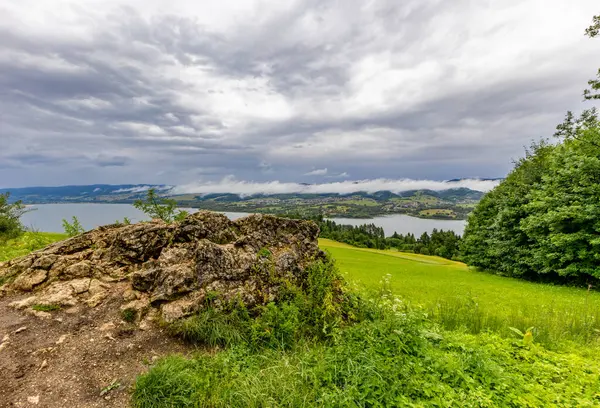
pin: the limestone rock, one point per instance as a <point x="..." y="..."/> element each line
<point x="168" y="268"/>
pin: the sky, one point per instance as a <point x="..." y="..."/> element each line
<point x="243" y="93"/>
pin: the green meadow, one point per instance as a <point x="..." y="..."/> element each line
<point x="458" y="297"/>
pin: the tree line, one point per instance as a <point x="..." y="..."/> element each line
<point x="440" y="243"/>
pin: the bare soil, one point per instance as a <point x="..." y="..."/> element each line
<point x="68" y="358"/>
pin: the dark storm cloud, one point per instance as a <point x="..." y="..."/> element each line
<point x="423" y="89"/>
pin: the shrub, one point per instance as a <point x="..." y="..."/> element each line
<point x="314" y="311"/>
<point x="72" y="228"/>
<point x="10" y="218"/>
<point x="159" y="207"/>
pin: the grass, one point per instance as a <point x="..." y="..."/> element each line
<point x="395" y="361"/>
<point x="458" y="297"/>
<point x="45" y="308"/>
<point x="26" y="243"/>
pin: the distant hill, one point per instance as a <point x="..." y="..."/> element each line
<point x="452" y="203"/>
<point x="75" y="194"/>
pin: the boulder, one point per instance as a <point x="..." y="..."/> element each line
<point x="169" y="268"/>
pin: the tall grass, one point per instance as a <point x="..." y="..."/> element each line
<point x="462" y="299"/>
<point x="26" y="243"/>
<point x="397" y="360"/>
<point x="553" y="323"/>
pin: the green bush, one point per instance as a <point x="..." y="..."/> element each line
<point x="10" y="218"/>
<point x="542" y="221"/>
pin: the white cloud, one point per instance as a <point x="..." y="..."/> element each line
<point x="317" y="172"/>
<point x="246" y="188"/>
<point x="341" y="175"/>
<point x="141" y="189"/>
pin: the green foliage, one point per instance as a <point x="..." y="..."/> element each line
<point x="26" y="243"/>
<point x="72" y="228"/>
<point x="542" y="222"/>
<point x="128" y="315"/>
<point x="278" y="326"/>
<point x="315" y="311"/>
<point x="264" y="253"/>
<point x="126" y="221"/>
<point x="594" y="91"/>
<point x="213" y="327"/>
<point x="45" y="308"/>
<point x="400" y="360"/>
<point x="160" y="207"/>
<point x="10" y="218"/>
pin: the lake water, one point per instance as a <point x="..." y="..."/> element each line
<point x="48" y="218"/>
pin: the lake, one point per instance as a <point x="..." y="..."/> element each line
<point x="48" y="218"/>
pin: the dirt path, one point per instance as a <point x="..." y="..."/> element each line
<point x="68" y="358"/>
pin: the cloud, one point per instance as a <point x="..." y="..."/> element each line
<point x="246" y="188"/>
<point x="340" y="175"/>
<point x="142" y="189"/>
<point x="148" y="92"/>
<point x="317" y="172"/>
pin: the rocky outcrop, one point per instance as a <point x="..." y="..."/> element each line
<point x="163" y="268"/>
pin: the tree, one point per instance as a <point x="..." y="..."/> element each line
<point x="160" y="207"/>
<point x="543" y="220"/>
<point x="563" y="216"/>
<point x="593" y="92"/>
<point x="10" y="217"/>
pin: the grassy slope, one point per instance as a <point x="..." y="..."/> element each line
<point x="397" y="359"/>
<point x="456" y="296"/>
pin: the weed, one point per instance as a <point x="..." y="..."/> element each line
<point x="264" y="253"/>
<point x="112" y="386"/>
<point x="45" y="308"/>
<point x="128" y="315"/>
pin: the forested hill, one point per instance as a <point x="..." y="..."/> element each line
<point x="454" y="203"/>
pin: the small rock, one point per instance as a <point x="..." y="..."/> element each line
<point x="20" y="329"/>
<point x="107" y="326"/>
<point x="72" y="310"/>
<point x="44" y="365"/>
<point x="41" y="315"/>
<point x="34" y="400"/>
<point x="61" y="339"/>
<point x="130" y="295"/>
